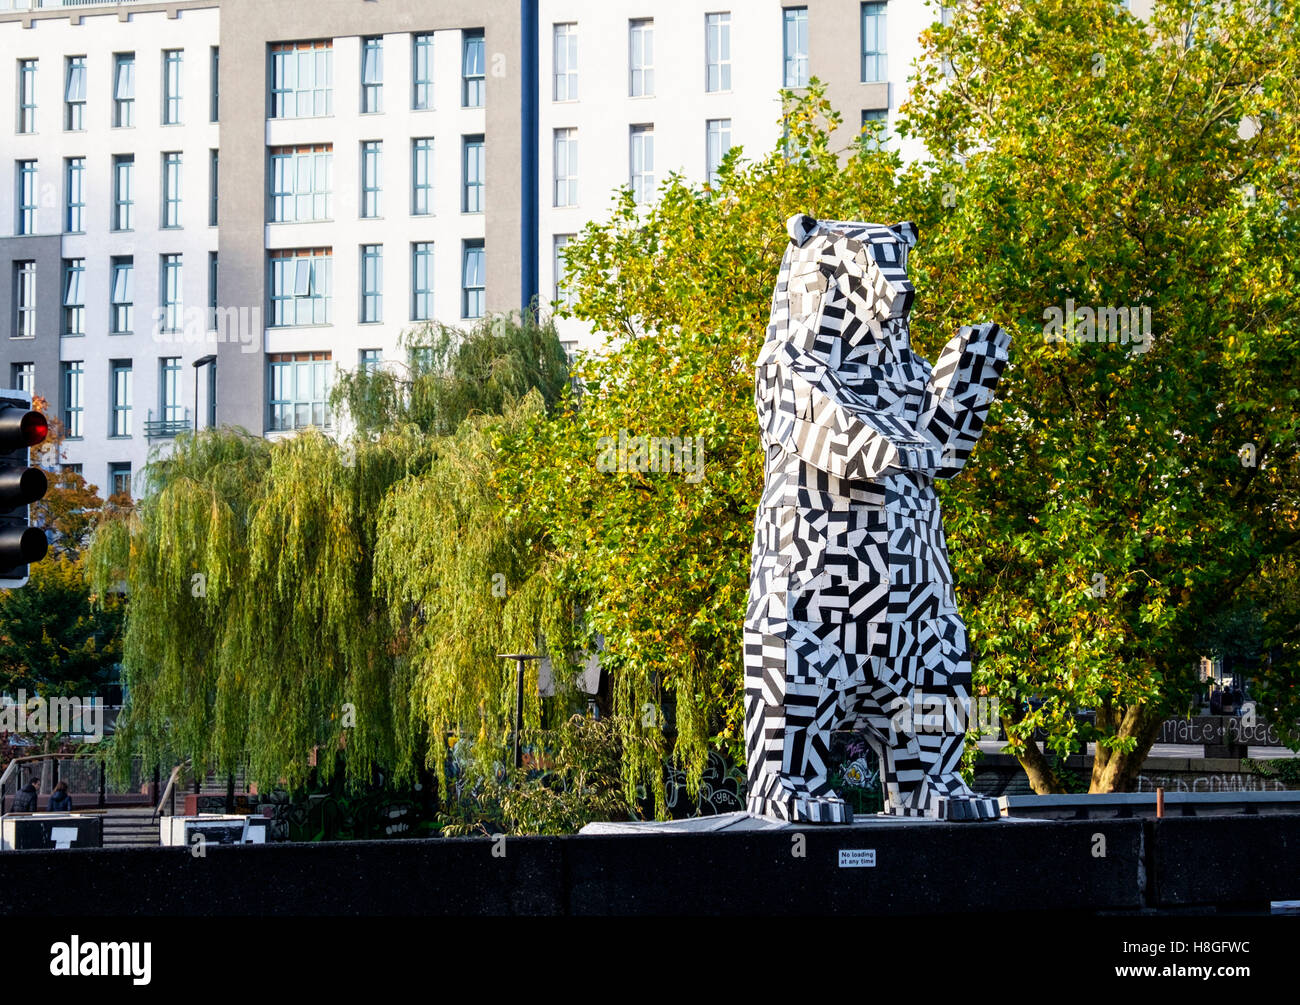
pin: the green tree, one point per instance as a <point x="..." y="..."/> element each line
<point x="661" y="560"/>
<point x="449" y="375"/>
<point x="274" y="609"/>
<point x="55" y="638"/>
<point x="1130" y="493"/>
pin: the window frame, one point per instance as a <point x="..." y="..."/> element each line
<point x="372" y="284"/>
<point x="473" y="249"/>
<point x="877" y="58"/>
<point x="640" y="57"/>
<point x="123" y="105"/>
<point x="564" y="61"/>
<point x="796" y="18"/>
<point x="372" y="75"/>
<point x="172" y="88"/>
<point x="717" y="36"/>
<point x="73" y="299"/>
<point x="74" y="106"/>
<point x="473" y="190"/>
<point x="473" y="78"/>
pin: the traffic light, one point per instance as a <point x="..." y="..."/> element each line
<point x="20" y="485"/>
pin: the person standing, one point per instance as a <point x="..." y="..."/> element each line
<point x="60" y="800"/>
<point x="25" y="800"/>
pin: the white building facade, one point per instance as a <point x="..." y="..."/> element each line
<point x="278" y="192"/>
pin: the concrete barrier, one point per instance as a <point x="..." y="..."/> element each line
<point x="883" y="869"/>
<point x="51" y="831"/>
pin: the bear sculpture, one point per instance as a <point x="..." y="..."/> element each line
<point x="852" y="620"/>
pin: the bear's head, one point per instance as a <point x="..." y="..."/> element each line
<point x="846" y="277"/>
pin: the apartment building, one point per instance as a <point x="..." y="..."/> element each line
<point x="208" y="208"/>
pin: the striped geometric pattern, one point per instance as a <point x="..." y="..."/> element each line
<point x="852" y="620"/>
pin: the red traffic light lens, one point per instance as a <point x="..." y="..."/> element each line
<point x="35" y="427"/>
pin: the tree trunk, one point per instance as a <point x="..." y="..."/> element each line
<point x="1042" y="778"/>
<point x="1114" y="771"/>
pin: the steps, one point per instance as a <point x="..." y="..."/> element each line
<point x="130" y="827"/>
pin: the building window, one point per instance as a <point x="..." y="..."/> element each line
<point x="119" y="478"/>
<point x="74" y="402"/>
<point x="171" y="110"/>
<point x="302" y="79"/>
<point x="170" y="293"/>
<point x="566" y="167"/>
<point x="123" y="90"/>
<point x="74" y="296"/>
<point x="422" y="72"/>
<point x="716" y="144"/>
<point x="171" y="214"/>
<point x="642" y="162"/>
<point x="874" y="64"/>
<point x="120" y="395"/>
<point x="371" y="360"/>
<point x="562" y="295"/>
<point x="301" y="183"/>
<point x="796" y="46"/>
<point x="566" y="62"/>
<point x="24" y="299"/>
<point x="27" y="96"/>
<point x="27" y="194"/>
<point x="170" y="408"/>
<point x="473" y="280"/>
<point x="122" y="296"/>
<point x="301" y="287"/>
<point x="372" y="75"/>
<point x="212" y="291"/>
<point x="123" y="191"/>
<point x="641" y="57"/>
<point x="214" y="189"/>
<point x="74" y="94"/>
<point x="473" y="67"/>
<point x="422" y="281"/>
<point x="214" y="64"/>
<point x="372" y="283"/>
<point x="875" y="125"/>
<point x="717" y="51"/>
<point x="74" y="174"/>
<point x="473" y="163"/>
<point x="300" y="390"/>
<point x="22" y="376"/>
<point x="372" y="169"/>
<point x="422" y="176"/>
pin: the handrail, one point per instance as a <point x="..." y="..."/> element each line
<point x="4" y="776"/>
<point x="167" y="790"/>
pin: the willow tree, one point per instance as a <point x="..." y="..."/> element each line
<point x="260" y="577"/>
<point x="1138" y="482"/>
<point x="182" y="556"/>
<point x="466" y="574"/>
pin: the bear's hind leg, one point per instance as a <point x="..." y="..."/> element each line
<point x="790" y="710"/>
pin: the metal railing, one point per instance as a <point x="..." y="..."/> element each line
<point x="160" y="428"/>
<point x="85" y="774"/>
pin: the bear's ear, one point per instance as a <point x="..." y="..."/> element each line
<point x="906" y="232"/>
<point x="799" y="227"/>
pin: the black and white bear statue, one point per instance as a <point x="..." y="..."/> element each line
<point x="852" y="620"/>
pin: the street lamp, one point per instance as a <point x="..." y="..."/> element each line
<point x="520" y="659"/>
<point x="201" y="361"/>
